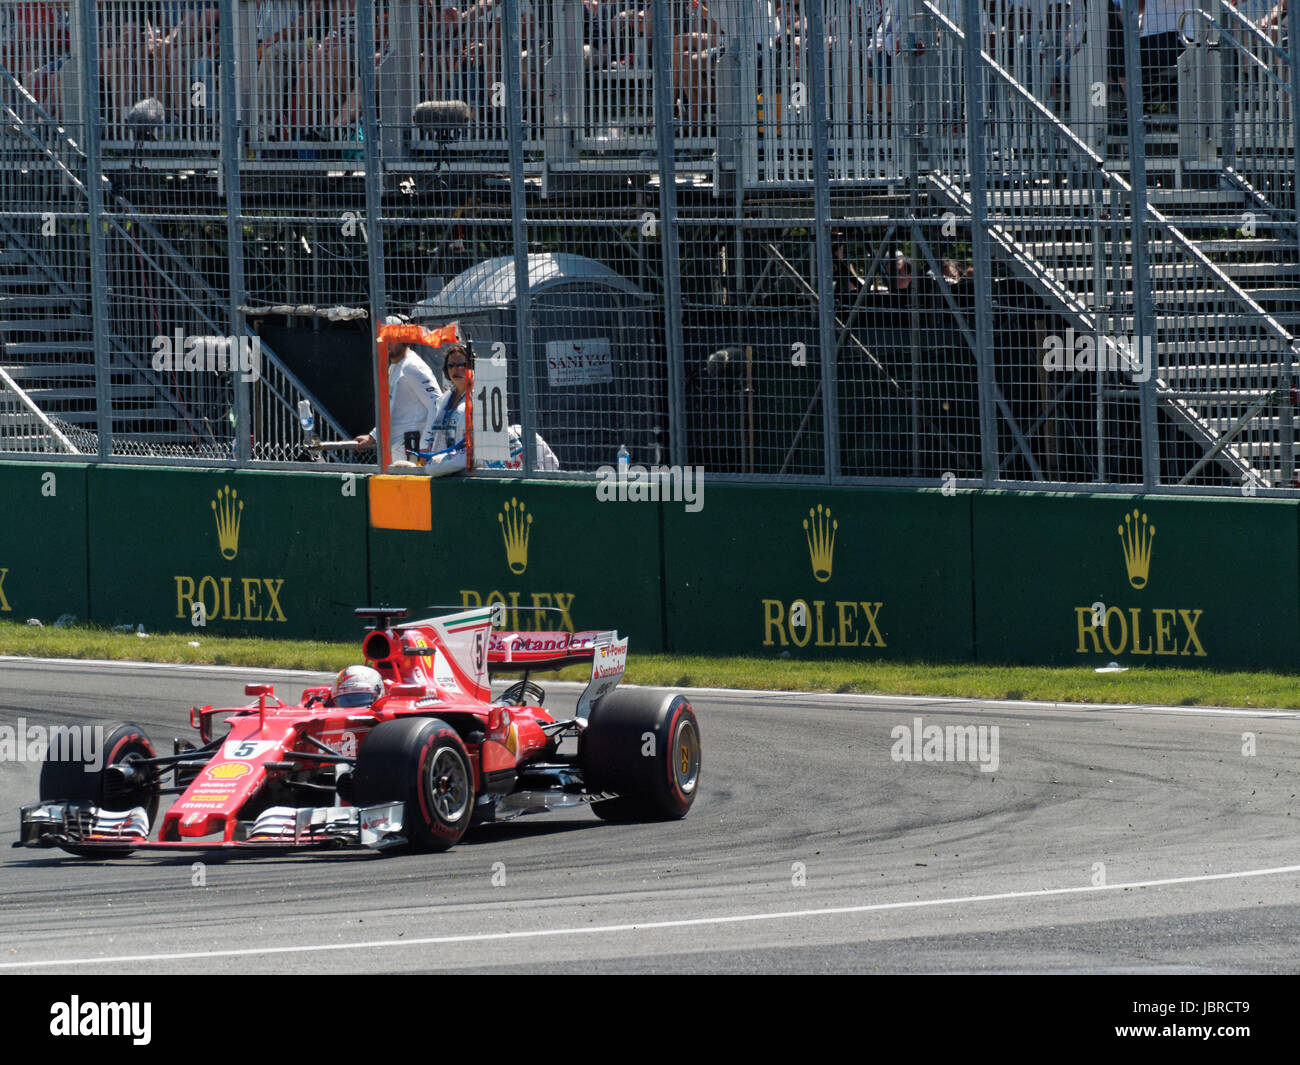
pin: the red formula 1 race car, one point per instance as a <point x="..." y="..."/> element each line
<point x="408" y="749"/>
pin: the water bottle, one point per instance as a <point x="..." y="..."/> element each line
<point x="623" y="459"/>
<point x="306" y="418"/>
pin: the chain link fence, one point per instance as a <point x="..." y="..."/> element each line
<point x="926" y="242"/>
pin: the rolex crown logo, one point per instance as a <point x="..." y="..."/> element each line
<point x="228" y="509"/>
<point x="819" y="529"/>
<point x="1136" y="537"/>
<point x="516" y="526"/>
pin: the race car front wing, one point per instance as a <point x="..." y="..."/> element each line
<point x="80" y="824"/>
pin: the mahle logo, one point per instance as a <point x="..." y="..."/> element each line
<point x="228" y="509"/>
<point x="516" y="527"/>
<point x="1137" y="548"/>
<point x="840" y="623"/>
<point x="820" y="535"/>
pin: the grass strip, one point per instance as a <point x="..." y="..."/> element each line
<point x="1070" y="684"/>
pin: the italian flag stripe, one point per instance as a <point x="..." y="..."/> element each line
<point x="470" y="623"/>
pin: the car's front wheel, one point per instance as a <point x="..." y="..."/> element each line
<point x="104" y="773"/>
<point x="421" y="762"/>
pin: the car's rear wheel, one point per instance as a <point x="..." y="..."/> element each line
<point x="645" y="748"/>
<point x="421" y="762"/>
<point x="65" y="778"/>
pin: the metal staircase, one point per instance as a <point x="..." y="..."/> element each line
<point x="48" y="329"/>
<point x="1224" y="283"/>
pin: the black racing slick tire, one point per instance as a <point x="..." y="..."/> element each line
<point x="71" y="779"/>
<point x="644" y="747"/>
<point x="421" y="762"/>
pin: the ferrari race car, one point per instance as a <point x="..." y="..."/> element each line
<point x="422" y="758"/>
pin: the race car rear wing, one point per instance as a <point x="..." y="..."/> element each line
<point x="527" y="651"/>
<point x="523" y="652"/>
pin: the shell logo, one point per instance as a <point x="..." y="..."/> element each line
<point x="230" y="771"/>
<point x="512" y="739"/>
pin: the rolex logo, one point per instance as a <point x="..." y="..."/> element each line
<point x="819" y="529"/>
<point x="1136" y="538"/>
<point x="516" y="525"/>
<point x="228" y="509"/>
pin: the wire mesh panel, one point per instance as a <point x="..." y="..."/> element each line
<point x="752" y="345"/>
<point x="751" y="235"/>
<point x="46" y="352"/>
<point x="158" y="75"/>
<point x="172" y="386"/>
<point x="905" y="359"/>
<point x="300" y="76"/>
<point x="460" y="58"/>
<point x="35" y="48"/>
<point x="1228" y="372"/>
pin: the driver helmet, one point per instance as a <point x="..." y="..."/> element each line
<point x="357" y="686"/>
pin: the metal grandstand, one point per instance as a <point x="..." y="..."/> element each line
<point x="989" y="243"/>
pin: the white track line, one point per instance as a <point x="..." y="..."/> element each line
<point x="126" y="664"/>
<point x="691" y="922"/>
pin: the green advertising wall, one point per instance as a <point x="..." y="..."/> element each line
<point x="42" y="541"/>
<point x="820" y="572"/>
<point x="541" y="544"/>
<point x="804" y="572"/>
<point x="1173" y="582"/>
<point x="266" y="554"/>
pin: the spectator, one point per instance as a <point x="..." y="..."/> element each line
<point x="32" y="37"/>
<point x="34" y="46"/>
<point x="185" y="54"/>
<point x="1273" y="24"/>
<point x="880" y="65"/>
<point x="697" y="44"/>
<point x="482" y="49"/>
<point x="440" y="57"/>
<point x="413" y="401"/>
<point x="696" y="48"/>
<point x="282" y="50"/>
<point x="446" y="438"/>
<point x="329" y="92"/>
<point x="845" y="277"/>
<point x="615" y="32"/>
<point x="1160" y="48"/>
<point x="132" y="60"/>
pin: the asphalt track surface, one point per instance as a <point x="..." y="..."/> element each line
<point x="1137" y="840"/>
